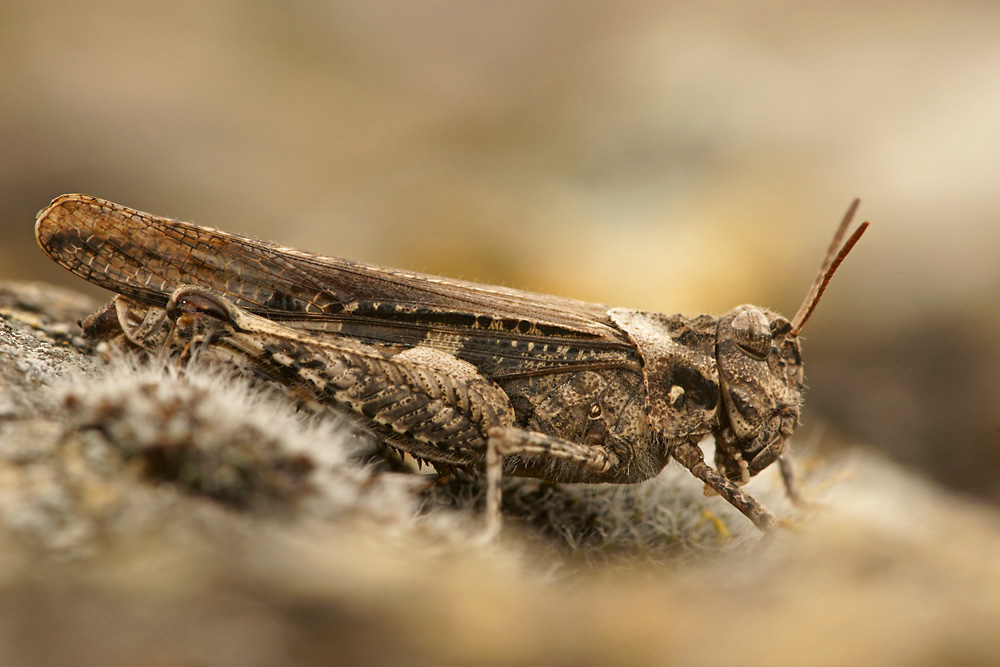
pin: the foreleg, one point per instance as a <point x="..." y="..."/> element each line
<point x="691" y="457"/>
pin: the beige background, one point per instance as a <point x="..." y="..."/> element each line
<point x="682" y="157"/>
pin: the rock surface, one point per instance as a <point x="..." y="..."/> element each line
<point x="154" y="516"/>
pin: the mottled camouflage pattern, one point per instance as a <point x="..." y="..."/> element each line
<point x="455" y="373"/>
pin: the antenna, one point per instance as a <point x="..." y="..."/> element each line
<point x="829" y="267"/>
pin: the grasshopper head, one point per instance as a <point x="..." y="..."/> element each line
<point x="760" y="373"/>
<point x="760" y="378"/>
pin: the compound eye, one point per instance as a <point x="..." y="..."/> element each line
<point x="752" y="332"/>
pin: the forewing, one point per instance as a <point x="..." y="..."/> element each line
<point x="503" y="331"/>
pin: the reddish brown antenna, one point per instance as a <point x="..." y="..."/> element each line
<point x="829" y="267"/>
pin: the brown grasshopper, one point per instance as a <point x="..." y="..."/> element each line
<point x="459" y="374"/>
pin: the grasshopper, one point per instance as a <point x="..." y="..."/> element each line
<point x="457" y="374"/>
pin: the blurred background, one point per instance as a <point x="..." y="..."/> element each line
<point x="679" y="157"/>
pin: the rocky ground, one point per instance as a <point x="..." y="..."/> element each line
<point x="163" y="516"/>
